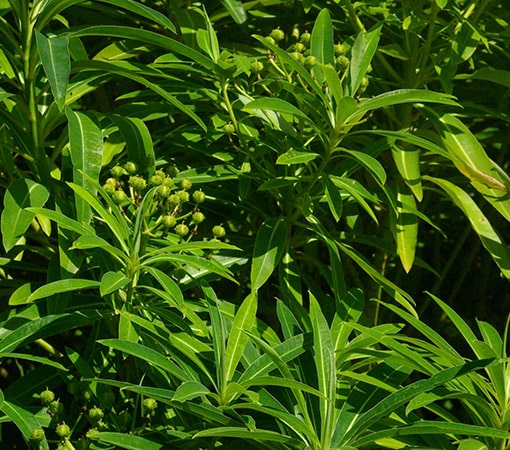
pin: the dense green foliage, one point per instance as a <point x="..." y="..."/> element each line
<point x="258" y="224"/>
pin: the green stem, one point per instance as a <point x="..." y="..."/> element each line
<point x="353" y="16"/>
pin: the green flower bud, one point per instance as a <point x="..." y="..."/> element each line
<point x="109" y="189"/>
<point x="340" y="49"/>
<point x="305" y="38"/>
<point x="310" y="61"/>
<point x="150" y="404"/>
<point x="63" y="430"/>
<point x="137" y="183"/>
<point x="183" y="196"/>
<point x="112" y="181"/>
<point x="277" y="34"/>
<point x="38" y="435"/>
<point x="95" y="415"/>
<point x="168" y="221"/>
<point x="125" y="418"/>
<point x="157" y="180"/>
<point x="47" y="397"/>
<point x="179" y="273"/>
<point x="118" y="172"/>
<point x="363" y="85"/>
<point x="256" y="67"/>
<point x="270" y="40"/>
<point x="181" y="229"/>
<point x="168" y="182"/>
<point x="198" y="196"/>
<point x="186" y="184"/>
<point x="229" y="129"/>
<point x="120" y="198"/>
<point x="172" y="171"/>
<point x="163" y="191"/>
<point x="173" y="200"/>
<point x="300" y="47"/>
<point x="197" y="217"/>
<point x="298" y="57"/>
<point x="131" y="168"/>
<point x="341" y="63"/>
<point x="56" y="408"/>
<point x="219" y="231"/>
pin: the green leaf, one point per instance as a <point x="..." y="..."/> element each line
<point x="471" y="160"/>
<point x="123" y="440"/>
<point x="333" y="197"/>
<point x="90" y="241"/>
<point x="472" y="444"/>
<point x="236" y="10"/>
<point x="111" y="282"/>
<point x="63" y="221"/>
<point x="146" y="354"/>
<point x="189" y="390"/>
<point x="406" y="228"/>
<point x="269" y="247"/>
<point x="358" y="191"/>
<point x="362" y="52"/>
<point x="490" y="239"/>
<point x="56" y="61"/>
<point x="237" y="339"/>
<point x="321" y="42"/>
<point x="86" y="148"/>
<point x="15" y="219"/>
<point x="243" y="433"/>
<point x="296" y="157"/>
<point x="277" y="105"/>
<point x="369" y="162"/>
<point x="23" y="419"/>
<point x="61" y="286"/>
<point x="138" y="139"/>
<point x="407" y="160"/>
<point x="37" y="359"/>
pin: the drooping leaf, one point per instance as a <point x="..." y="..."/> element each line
<point x="407" y="161"/>
<point x="333" y="197"/>
<point x="56" y="61"/>
<point x="269" y="246"/>
<point x="86" y="148"/>
<point x="20" y="194"/>
<point x="406" y="227"/>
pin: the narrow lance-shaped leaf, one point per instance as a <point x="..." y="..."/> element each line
<point x="56" y="61"/>
<point x="20" y="194"/>
<point x="407" y="161"/>
<point x="269" y="246"/>
<point x="321" y="43"/>
<point x="405" y="227"/>
<point x="86" y="146"/>
<point x="481" y="225"/>
<point x="333" y="197"/>
<point x="236" y="10"/>
<point x="243" y="322"/>
<point x="362" y="52"/>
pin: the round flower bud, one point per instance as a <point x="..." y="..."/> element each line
<point x="167" y="181"/>
<point x="270" y="40"/>
<point x="298" y="57"/>
<point x="137" y="183"/>
<point x="277" y="34"/>
<point x="55" y="407"/>
<point x="300" y="47"/>
<point x="157" y="179"/>
<point x="109" y="189"/>
<point x="47" y="397"/>
<point x="38" y="434"/>
<point x="112" y="181"/>
<point x="125" y="418"/>
<point x="150" y="404"/>
<point x="168" y="221"/>
<point x="186" y="184"/>
<point x="219" y="231"/>
<point x="163" y="191"/>
<point x="63" y="430"/>
<point x="183" y="196"/>
<point x="118" y="172"/>
<point x="198" y="196"/>
<point x="197" y="217"/>
<point x="131" y="167"/>
<point x="305" y="38"/>
<point x="181" y="229"/>
<point x="172" y="171"/>
<point x="340" y="49"/>
<point x="82" y="444"/>
<point x="363" y="85"/>
<point x="173" y="200"/>
<point x="229" y="129"/>
<point x="95" y="415"/>
<point x="120" y="197"/>
<point x="341" y="63"/>
<point x="310" y="61"/>
<point x="256" y="67"/>
<point x="179" y="273"/>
